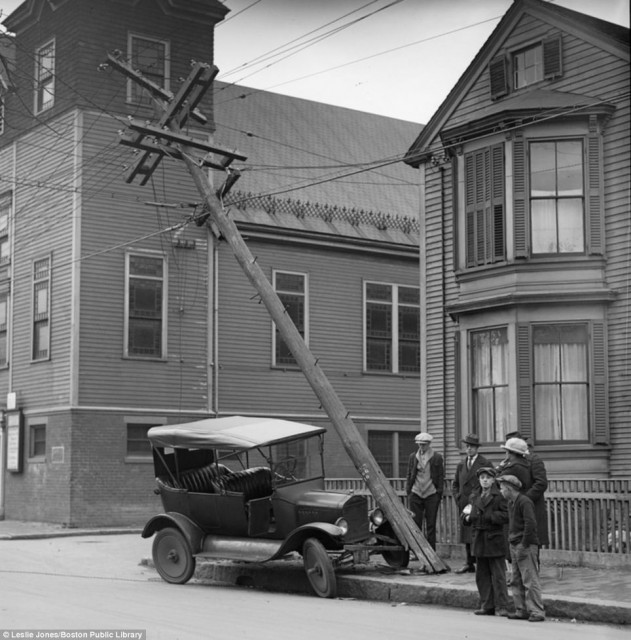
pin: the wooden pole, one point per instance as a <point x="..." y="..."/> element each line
<point x="385" y="496"/>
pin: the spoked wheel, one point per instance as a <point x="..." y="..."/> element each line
<point x="397" y="559"/>
<point x="172" y="556"/>
<point x="319" y="568"/>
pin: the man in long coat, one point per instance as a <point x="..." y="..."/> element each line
<point x="465" y="481"/>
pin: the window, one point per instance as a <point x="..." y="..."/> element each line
<point x="151" y="58"/>
<point x="4" y="315"/>
<point x="41" y="309"/>
<point x="138" y="445"/>
<point x="45" y="77"/>
<point x="557" y="197"/>
<point x="292" y="291"/>
<point x="538" y="62"/>
<point x="392" y="328"/>
<point x="561" y="382"/>
<point x="146" y="306"/>
<point x="485" y="206"/>
<point x="5" y="218"/>
<point x="37" y="441"/>
<point x="489" y="383"/>
<point x="1" y="115"/>
<point x="391" y="450"/>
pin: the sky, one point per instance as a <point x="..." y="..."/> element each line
<point x="397" y="58"/>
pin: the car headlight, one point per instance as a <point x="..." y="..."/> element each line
<point x="377" y="517"/>
<point x="342" y="524"/>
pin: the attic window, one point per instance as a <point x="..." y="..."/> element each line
<point x="538" y="62"/>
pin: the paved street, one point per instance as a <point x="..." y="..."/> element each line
<point x="97" y="582"/>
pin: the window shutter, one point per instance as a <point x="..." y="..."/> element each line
<point x="519" y="197"/>
<point x="455" y="212"/>
<point x="457" y="387"/>
<point x="593" y="202"/>
<point x="497" y="203"/>
<point x="524" y="380"/>
<point x="599" y="384"/>
<point x="552" y="57"/>
<point x="498" y="77"/>
<point x="469" y="169"/>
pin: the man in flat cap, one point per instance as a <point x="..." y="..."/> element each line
<point x="465" y="481"/>
<point x="424" y="485"/>
<point x="523" y="541"/>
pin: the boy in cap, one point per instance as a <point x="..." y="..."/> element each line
<point x="523" y="541"/>
<point x="424" y="485"/>
<point x="488" y="515"/>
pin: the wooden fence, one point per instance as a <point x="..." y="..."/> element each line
<point x="584" y="515"/>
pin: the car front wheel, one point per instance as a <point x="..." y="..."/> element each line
<point x="319" y="568"/>
<point x="172" y="556"/>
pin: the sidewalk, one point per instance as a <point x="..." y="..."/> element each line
<point x="575" y="593"/>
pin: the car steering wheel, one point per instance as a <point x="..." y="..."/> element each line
<point x="285" y="468"/>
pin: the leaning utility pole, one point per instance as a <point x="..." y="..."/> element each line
<point x="176" y="110"/>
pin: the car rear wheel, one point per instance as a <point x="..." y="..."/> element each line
<point x="397" y="559"/>
<point x="319" y="568"/>
<point x="172" y="556"/>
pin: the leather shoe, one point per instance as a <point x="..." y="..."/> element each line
<point x="503" y="613"/>
<point x="536" y="618"/>
<point x="517" y="616"/>
<point x="468" y="568"/>
<point x="484" y="612"/>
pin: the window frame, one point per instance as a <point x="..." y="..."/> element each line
<point x="127" y="352"/>
<point x="304" y="331"/>
<point x="35" y="428"/>
<point x="2" y="113"/>
<point x="6" y="210"/>
<point x="556" y="197"/>
<point x="395" y="341"/>
<point x="4" y="328"/>
<point x="45" y="77"/>
<point x="135" y="422"/>
<point x="498" y="430"/>
<point x="41" y="281"/>
<point x="135" y="93"/>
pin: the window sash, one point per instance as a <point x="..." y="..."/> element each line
<point x="145" y="302"/>
<point x="138" y="445"/>
<point x="292" y="290"/>
<point x="528" y="66"/>
<point x="37" y="441"/>
<point x="41" y="309"/>
<point x="489" y="383"/>
<point x="151" y="58"/>
<point x="557" y="202"/>
<point x="391" y="328"/>
<point x="561" y="381"/>
<point x="391" y="450"/>
<point x="45" y="77"/>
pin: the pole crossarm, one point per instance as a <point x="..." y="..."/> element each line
<point x="220" y="222"/>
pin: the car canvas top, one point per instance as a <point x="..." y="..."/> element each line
<point x="234" y="432"/>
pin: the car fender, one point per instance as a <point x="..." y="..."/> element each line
<point x="186" y="526"/>
<point x="330" y="535"/>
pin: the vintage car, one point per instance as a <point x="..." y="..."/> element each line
<point x="252" y="490"/>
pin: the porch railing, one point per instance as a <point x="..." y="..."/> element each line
<point x="584" y="515"/>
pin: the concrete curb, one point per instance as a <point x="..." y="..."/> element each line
<point x="289" y="577"/>
<point x="66" y="533"/>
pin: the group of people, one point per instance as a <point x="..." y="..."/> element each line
<point x="503" y="519"/>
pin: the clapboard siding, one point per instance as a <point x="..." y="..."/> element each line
<point x="246" y="380"/>
<point x="115" y="220"/>
<point x="43" y="225"/>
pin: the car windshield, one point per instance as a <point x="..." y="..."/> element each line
<point x="291" y="461"/>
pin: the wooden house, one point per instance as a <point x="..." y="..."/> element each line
<point x="118" y="312"/>
<point x="525" y="245"/>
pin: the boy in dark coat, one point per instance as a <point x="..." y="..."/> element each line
<point x="522" y="537"/>
<point x="466" y="481"/>
<point x="488" y="515"/>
